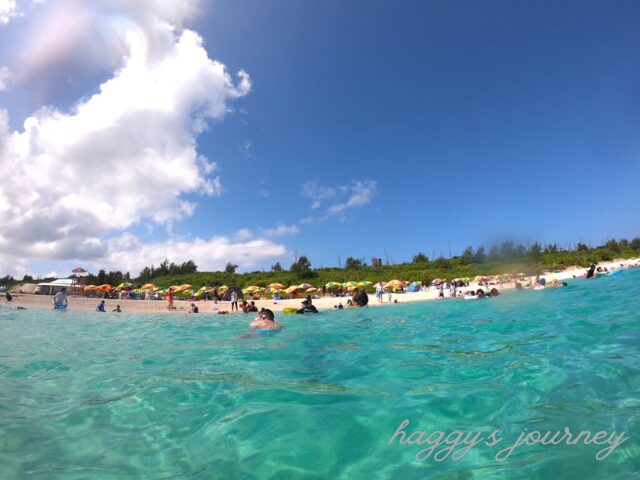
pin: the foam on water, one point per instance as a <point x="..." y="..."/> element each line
<point x="86" y="395"/>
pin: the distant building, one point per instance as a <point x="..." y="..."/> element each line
<point x="51" y="288"/>
<point x="376" y="262"/>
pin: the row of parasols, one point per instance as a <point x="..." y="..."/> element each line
<point x="273" y="288"/>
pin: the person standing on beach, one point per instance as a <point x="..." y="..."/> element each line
<point x="379" y="292"/>
<point x="170" y="299"/>
<point x="234" y="300"/>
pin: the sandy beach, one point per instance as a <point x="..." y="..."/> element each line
<point x="326" y="303"/>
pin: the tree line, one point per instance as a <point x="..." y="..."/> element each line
<point x="500" y="258"/>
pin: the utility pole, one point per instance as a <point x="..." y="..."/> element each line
<point x="339" y="262"/>
<point x="449" y="243"/>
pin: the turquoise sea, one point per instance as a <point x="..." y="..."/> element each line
<point x="92" y="396"/>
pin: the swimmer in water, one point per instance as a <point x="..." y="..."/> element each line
<point x="265" y="321"/>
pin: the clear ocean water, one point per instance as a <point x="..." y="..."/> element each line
<point x="142" y="396"/>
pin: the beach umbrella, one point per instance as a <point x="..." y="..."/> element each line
<point x="304" y="286"/>
<point x="332" y="284"/>
<point x="247" y="290"/>
<point x="311" y="290"/>
<point x="182" y="288"/>
<point x="147" y="286"/>
<point x="366" y="283"/>
<point x="292" y="289"/>
<point x="90" y="288"/>
<point x="78" y="270"/>
<point x="251" y="289"/>
<point x="125" y="286"/>
<point x="223" y="288"/>
<point x="276" y="285"/>
<point x="105" y="287"/>
<point x="393" y="284"/>
<point x="349" y="284"/>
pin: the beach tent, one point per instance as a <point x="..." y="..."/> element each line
<point x="227" y="295"/>
<point x="414" y="287"/>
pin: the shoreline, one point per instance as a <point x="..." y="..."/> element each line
<point x="84" y="304"/>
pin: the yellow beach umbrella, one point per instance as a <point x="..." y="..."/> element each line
<point x="311" y="290"/>
<point x="292" y="289"/>
<point x="332" y="284"/>
<point x="147" y="286"/>
<point x="304" y="286"/>
<point x="278" y="286"/>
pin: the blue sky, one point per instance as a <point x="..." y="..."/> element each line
<point x="466" y="122"/>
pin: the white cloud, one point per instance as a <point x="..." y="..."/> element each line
<point x="245" y="148"/>
<point x="281" y="230"/>
<point x="8" y="9"/>
<point x="360" y="193"/>
<point x="243" y="234"/>
<point x="317" y="193"/>
<point x="125" y="154"/>
<point x="356" y="194"/>
<point x="52" y="274"/>
<point x="127" y="253"/>
<point x="4" y="78"/>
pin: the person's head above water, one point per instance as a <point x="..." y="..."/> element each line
<point x="266" y="314"/>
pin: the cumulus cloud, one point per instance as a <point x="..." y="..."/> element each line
<point x="125" y="154"/>
<point x="344" y="197"/>
<point x="281" y="230"/>
<point x="128" y="253"/>
<point x="8" y="9"/>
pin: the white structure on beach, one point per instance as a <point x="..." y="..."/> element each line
<point x="51" y="288"/>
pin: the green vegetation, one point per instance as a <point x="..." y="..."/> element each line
<point x="503" y="258"/>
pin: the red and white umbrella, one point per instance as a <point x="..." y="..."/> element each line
<point x="78" y="270"/>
